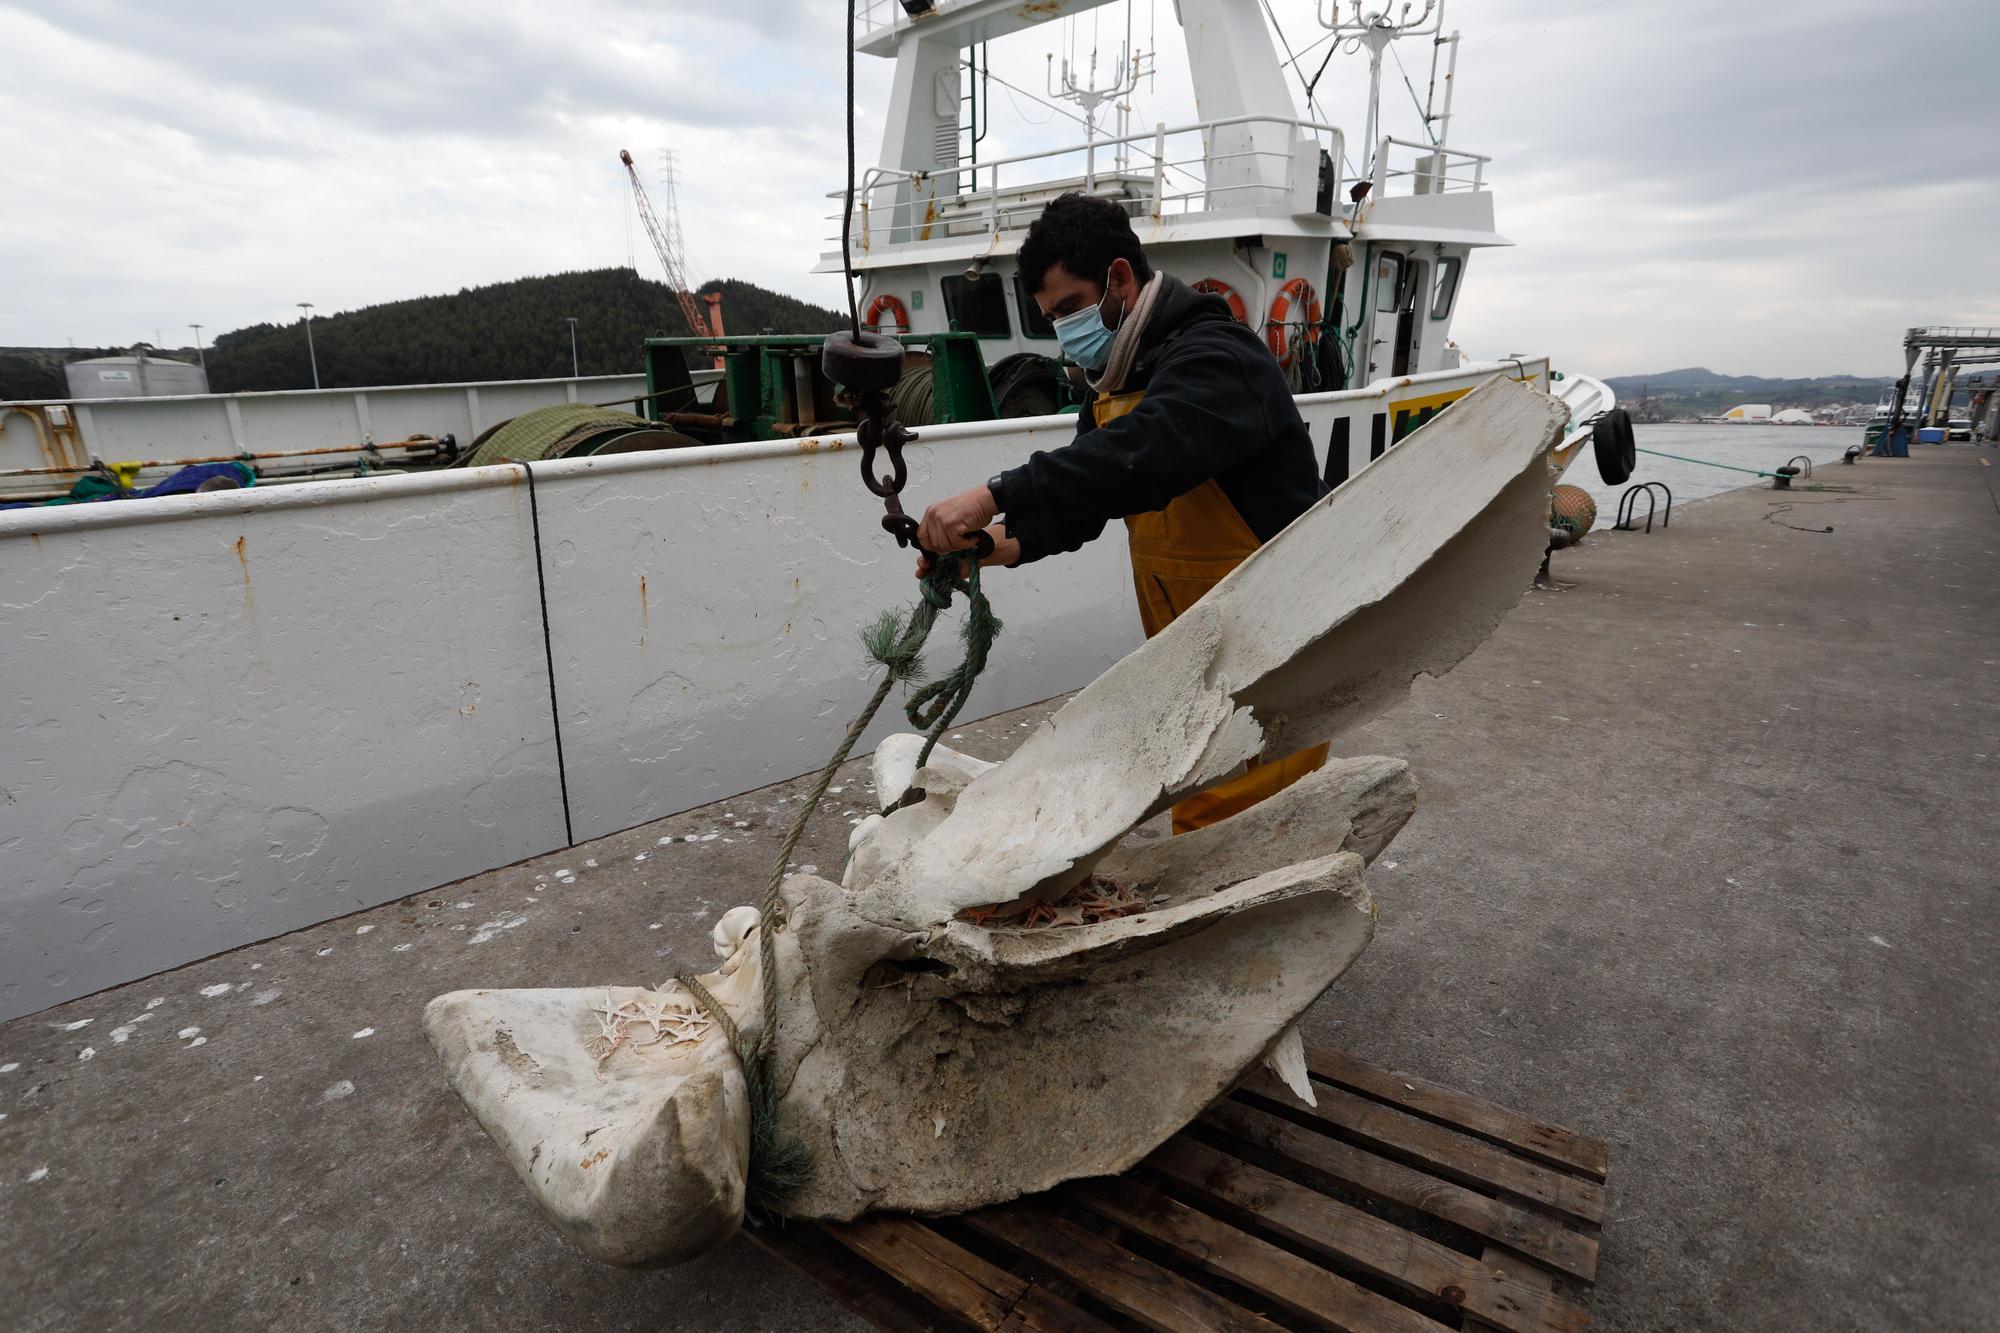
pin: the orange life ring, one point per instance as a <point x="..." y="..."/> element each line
<point x="1217" y="287"/>
<point x="1298" y="289"/>
<point x="889" y="303"/>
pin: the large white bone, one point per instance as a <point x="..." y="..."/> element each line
<point x="638" y="1155"/>
<point x="895" y="764"/>
<point x="934" y="1060"/>
<point x="1399" y="573"/>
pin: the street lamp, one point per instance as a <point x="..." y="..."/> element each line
<point x="198" y="352"/>
<point x="574" y="373"/>
<point x="307" y="306"/>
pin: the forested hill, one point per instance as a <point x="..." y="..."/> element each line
<point x="510" y="330"/>
<point x="1699" y="391"/>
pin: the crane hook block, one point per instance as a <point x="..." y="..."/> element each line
<point x="862" y="361"/>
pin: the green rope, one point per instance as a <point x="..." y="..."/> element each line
<point x="779" y="1164"/>
<point x="932" y="708"/>
<point x="1704" y="462"/>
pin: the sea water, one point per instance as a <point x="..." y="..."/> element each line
<point x="1765" y="448"/>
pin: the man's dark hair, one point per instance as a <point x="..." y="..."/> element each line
<point x="1083" y="234"/>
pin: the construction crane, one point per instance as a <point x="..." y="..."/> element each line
<point x="667" y="244"/>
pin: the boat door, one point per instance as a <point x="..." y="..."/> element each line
<point x="1395" y="322"/>
<point x="1409" y="319"/>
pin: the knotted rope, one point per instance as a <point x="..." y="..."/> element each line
<point x="780" y="1164"/>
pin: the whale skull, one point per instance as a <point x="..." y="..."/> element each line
<point x="1005" y="991"/>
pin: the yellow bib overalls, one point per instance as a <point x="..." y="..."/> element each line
<point x="1179" y="553"/>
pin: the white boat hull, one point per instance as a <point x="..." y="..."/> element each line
<point x="246" y="712"/>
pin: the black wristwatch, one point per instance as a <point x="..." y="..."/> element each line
<point x="999" y="495"/>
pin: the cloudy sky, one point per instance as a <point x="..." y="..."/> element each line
<point x="1767" y="187"/>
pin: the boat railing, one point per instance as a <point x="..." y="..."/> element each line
<point x="1427" y="169"/>
<point x="1235" y="164"/>
<point x="875" y="15"/>
<point x="1945" y="333"/>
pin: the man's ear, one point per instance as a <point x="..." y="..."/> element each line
<point x="1122" y="285"/>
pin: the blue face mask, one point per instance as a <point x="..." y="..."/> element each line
<point x="1084" y="336"/>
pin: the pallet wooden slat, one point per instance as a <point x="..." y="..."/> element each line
<point x="1518" y="1268"/>
<point x="1457" y="1156"/>
<point x="1344" y="1232"/>
<point x="1548" y="1143"/>
<point x="862" y="1288"/>
<point x="1203" y="1229"/>
<point x="1296" y="1284"/>
<point x="1536" y="1234"/>
<point x="957" y="1280"/>
<point x="1114" y="1275"/>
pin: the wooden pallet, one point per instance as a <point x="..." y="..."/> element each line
<point x="1397" y="1204"/>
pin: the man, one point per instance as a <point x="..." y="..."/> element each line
<point x="1188" y="432"/>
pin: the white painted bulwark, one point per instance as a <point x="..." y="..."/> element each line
<point x="235" y="714"/>
<point x="201" y="425"/>
<point x="243" y="714"/>
<point x="705" y="613"/>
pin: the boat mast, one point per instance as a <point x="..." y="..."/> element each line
<point x="1375" y="31"/>
<point x="1442" y="119"/>
<point x="1088" y="96"/>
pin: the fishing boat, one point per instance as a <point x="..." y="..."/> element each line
<point x="260" y="708"/>
<point x="1353" y="283"/>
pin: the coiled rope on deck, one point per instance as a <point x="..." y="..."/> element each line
<point x="780" y="1164"/>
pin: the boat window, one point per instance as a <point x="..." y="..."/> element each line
<point x="1446" y="289"/>
<point x="1032" y="323"/>
<point x="1388" y="281"/>
<point x="977" y="306"/>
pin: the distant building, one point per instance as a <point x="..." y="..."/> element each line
<point x="136" y="376"/>
<point x="1748" y="412"/>
<point x="1792" y="416"/>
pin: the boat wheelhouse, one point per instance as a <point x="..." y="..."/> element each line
<point x="1349" y="281"/>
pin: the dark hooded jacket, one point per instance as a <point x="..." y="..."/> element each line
<point x="1216" y="407"/>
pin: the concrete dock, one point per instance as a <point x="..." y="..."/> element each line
<point x="1704" y="863"/>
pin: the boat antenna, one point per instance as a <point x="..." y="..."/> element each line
<point x="1089" y="95"/>
<point x="1376" y="30"/>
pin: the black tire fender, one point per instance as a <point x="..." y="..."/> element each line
<point x="1617" y="451"/>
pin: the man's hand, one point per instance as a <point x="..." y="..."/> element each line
<point x="1006" y="551"/>
<point x="949" y="524"/>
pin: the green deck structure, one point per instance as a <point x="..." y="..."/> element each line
<point x="772" y="386"/>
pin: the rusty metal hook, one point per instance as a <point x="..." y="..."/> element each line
<point x="897" y="523"/>
<point x="890" y="437"/>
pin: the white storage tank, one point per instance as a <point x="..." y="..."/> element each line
<point x="137" y="376"/>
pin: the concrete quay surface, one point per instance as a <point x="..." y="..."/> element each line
<point x="1704" y="863"/>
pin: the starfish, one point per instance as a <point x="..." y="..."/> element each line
<point x="674" y="1020"/>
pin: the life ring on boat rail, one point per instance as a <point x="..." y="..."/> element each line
<point x="899" y="316"/>
<point x="1217" y="287"/>
<point x="1617" y="451"/>
<point x="1275" y="328"/>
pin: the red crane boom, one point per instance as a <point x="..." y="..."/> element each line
<point x="667" y="244"/>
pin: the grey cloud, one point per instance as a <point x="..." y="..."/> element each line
<point x="476" y="70"/>
<point x="1731" y="99"/>
<point x="1771" y="186"/>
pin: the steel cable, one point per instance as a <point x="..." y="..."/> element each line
<point x="847" y="213"/>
